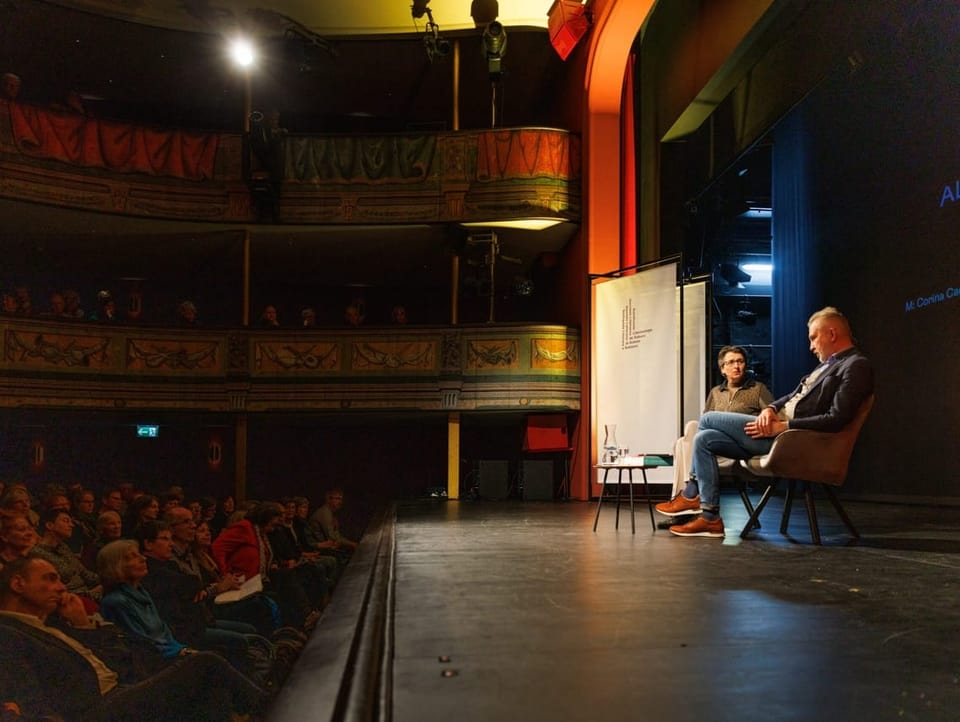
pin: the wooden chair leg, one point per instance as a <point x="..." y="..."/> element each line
<point x="811" y="513"/>
<point x="840" y="511"/>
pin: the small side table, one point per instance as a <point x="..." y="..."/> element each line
<point x="629" y="468"/>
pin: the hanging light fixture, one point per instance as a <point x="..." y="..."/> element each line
<point x="494" y="47"/>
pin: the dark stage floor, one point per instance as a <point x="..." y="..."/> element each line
<point x="543" y="619"/>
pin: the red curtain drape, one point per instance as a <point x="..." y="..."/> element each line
<point x="628" y="164"/>
<point x="118" y="147"/>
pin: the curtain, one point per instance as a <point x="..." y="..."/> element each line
<point x="796" y="272"/>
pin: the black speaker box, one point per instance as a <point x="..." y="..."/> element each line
<point x="493" y="478"/>
<point x="538" y="480"/>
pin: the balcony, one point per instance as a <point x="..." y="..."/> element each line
<point x="505" y="368"/>
<point x="78" y="162"/>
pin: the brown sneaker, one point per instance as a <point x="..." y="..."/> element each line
<point x="700" y="527"/>
<point x="679" y="505"/>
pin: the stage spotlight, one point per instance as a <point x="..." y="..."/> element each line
<point x="484" y="12"/>
<point x="494" y="47"/>
<point x="419" y="8"/>
<point x="436" y="47"/>
<point x="733" y="275"/>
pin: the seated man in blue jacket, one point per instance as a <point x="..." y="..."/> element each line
<point x="827" y="399"/>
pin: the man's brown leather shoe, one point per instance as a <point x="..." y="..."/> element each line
<point x="700" y="527"/>
<point x="679" y="505"/>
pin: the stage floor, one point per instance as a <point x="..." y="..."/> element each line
<point x="544" y="620"/>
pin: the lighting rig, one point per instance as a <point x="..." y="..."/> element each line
<point x="435" y="45"/>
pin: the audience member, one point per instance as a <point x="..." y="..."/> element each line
<point x="325" y="520"/>
<point x="354" y="314"/>
<point x="269" y="317"/>
<point x="308" y="318"/>
<point x="187" y="314"/>
<point x="179" y="594"/>
<point x="53" y="676"/>
<point x="313" y="540"/>
<point x="107" y="311"/>
<point x="208" y="509"/>
<point x="141" y="509"/>
<point x="109" y="528"/>
<point x="24" y="306"/>
<point x="56" y="499"/>
<point x="126" y="603"/>
<point x="17" y="538"/>
<point x="72" y="307"/>
<point x="8" y="303"/>
<point x="398" y="315"/>
<point x="244" y="548"/>
<point x="112" y="500"/>
<point x="169" y="500"/>
<point x="9" y="86"/>
<point x="257" y="609"/>
<point x="313" y="571"/>
<point x="84" y="519"/>
<point x="55" y="306"/>
<point x="195" y="509"/>
<point x="16" y="502"/>
<point x="56" y="527"/>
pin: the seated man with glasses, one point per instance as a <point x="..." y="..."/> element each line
<point x="827" y="399"/>
<point x="739" y="393"/>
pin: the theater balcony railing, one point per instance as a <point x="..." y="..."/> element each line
<point x="417" y="368"/>
<point x="76" y="161"/>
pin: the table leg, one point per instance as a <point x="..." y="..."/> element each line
<point x="603" y="491"/>
<point x="616" y="524"/>
<point x="646" y="493"/>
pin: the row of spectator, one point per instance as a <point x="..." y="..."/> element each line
<point x="66" y="305"/>
<point x="194" y="590"/>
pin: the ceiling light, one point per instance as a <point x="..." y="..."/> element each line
<point x="242" y="52"/>
<point x="529" y="224"/>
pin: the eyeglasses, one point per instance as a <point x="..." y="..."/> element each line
<point x="735" y="362"/>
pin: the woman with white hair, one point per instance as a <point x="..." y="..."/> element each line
<point x="122" y="568"/>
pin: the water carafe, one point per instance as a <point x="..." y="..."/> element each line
<point x="609" y="444"/>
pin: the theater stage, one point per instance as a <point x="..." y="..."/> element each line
<point x="543" y="619"/>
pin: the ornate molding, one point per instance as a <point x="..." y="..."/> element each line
<point x="495" y="353"/>
<point x="145" y="354"/>
<point x="57" y="349"/>
<point x="462" y="368"/>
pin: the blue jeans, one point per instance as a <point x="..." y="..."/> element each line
<point x="720" y="433"/>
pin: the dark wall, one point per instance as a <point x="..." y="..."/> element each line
<point x="372" y="457"/>
<point x="887" y="211"/>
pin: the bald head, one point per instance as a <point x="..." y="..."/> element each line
<point x="829" y="333"/>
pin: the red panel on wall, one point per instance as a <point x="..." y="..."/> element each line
<point x="546" y="433"/>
